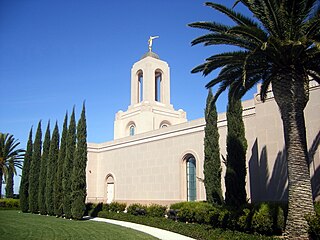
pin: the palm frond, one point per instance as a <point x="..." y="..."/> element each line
<point x="313" y="26"/>
<point x="315" y="76"/>
<point x="238" y="18"/>
<point x="220" y="61"/>
<point x="270" y="15"/>
<point x="254" y="34"/>
<point x="223" y="38"/>
<point x="211" y="26"/>
<point x="199" y="68"/>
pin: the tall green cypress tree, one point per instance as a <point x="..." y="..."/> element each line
<point x="79" y="169"/>
<point x="34" y="172"/>
<point x="9" y="180"/>
<point x="43" y="172"/>
<point x="24" y="184"/>
<point x="235" y="178"/>
<point x="68" y="166"/>
<point x="212" y="163"/>
<point x="52" y="169"/>
<point x="57" y="190"/>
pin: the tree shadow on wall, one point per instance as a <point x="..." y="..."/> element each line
<point x="272" y="186"/>
<point x="266" y="185"/>
<point x="315" y="180"/>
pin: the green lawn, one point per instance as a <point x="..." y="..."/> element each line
<point x="16" y="226"/>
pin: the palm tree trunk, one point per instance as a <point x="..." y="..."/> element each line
<point x="291" y="94"/>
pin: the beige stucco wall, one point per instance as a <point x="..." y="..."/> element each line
<point x="150" y="167"/>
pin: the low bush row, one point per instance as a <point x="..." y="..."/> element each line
<point x="9" y="203"/>
<point x="194" y="230"/>
<point x="268" y="219"/>
<point x="263" y="218"/>
<point x="153" y="210"/>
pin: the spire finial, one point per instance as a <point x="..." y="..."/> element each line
<point x="150" y="42"/>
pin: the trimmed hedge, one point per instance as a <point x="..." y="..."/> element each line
<point x="92" y="209"/>
<point x="116" y="207"/>
<point x="9" y="203"/>
<point x="137" y="209"/>
<point x="197" y="231"/>
<point x="156" y="210"/>
<point x="264" y="218"/>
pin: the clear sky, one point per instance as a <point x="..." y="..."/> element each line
<point x="55" y="54"/>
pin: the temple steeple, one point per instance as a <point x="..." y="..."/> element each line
<point x="150" y="106"/>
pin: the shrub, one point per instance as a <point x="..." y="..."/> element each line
<point x="89" y="207"/>
<point x="262" y="220"/>
<point x="187" y="212"/>
<point x="224" y="217"/>
<point x="213" y="217"/>
<point x="117" y="207"/>
<point x="201" y="212"/>
<point x="137" y="209"/>
<point x="314" y="222"/>
<point x="105" y="207"/>
<point x="92" y="209"/>
<point x="277" y="213"/>
<point x="156" y="210"/>
<point x="9" y="203"/>
<point x="317" y="208"/>
<point x="177" y="206"/>
<point x="244" y="221"/>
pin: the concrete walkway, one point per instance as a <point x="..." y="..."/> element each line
<point x="156" y="232"/>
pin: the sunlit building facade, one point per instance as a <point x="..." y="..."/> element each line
<point x="157" y="155"/>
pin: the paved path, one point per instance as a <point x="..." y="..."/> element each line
<point x="156" y="232"/>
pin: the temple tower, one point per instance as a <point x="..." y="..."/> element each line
<point x="150" y="107"/>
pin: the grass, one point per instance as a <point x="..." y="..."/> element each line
<point x="16" y="226"/>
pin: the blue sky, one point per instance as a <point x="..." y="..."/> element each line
<point x="56" y="54"/>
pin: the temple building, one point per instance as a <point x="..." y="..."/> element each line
<point x="157" y="155"/>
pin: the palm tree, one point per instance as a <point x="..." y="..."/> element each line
<point x="10" y="157"/>
<point x="279" y="48"/>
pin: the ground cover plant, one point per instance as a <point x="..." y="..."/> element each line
<point x="16" y="226"/>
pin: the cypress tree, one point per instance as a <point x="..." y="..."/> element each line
<point x="212" y="163"/>
<point x="68" y="166"/>
<point x="43" y="172"/>
<point x="52" y="169"/>
<point x="34" y="171"/>
<point x="24" y="184"/>
<point x="57" y="190"/>
<point x="9" y="180"/>
<point x="79" y="169"/>
<point x="235" y="178"/>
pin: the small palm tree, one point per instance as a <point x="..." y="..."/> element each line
<point x="280" y="48"/>
<point x="10" y="157"/>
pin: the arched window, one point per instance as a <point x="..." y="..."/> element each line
<point x="140" y="86"/>
<point x="132" y="129"/>
<point x="158" y="83"/>
<point x="164" y="124"/>
<point x="109" y="188"/>
<point x="191" y="178"/>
